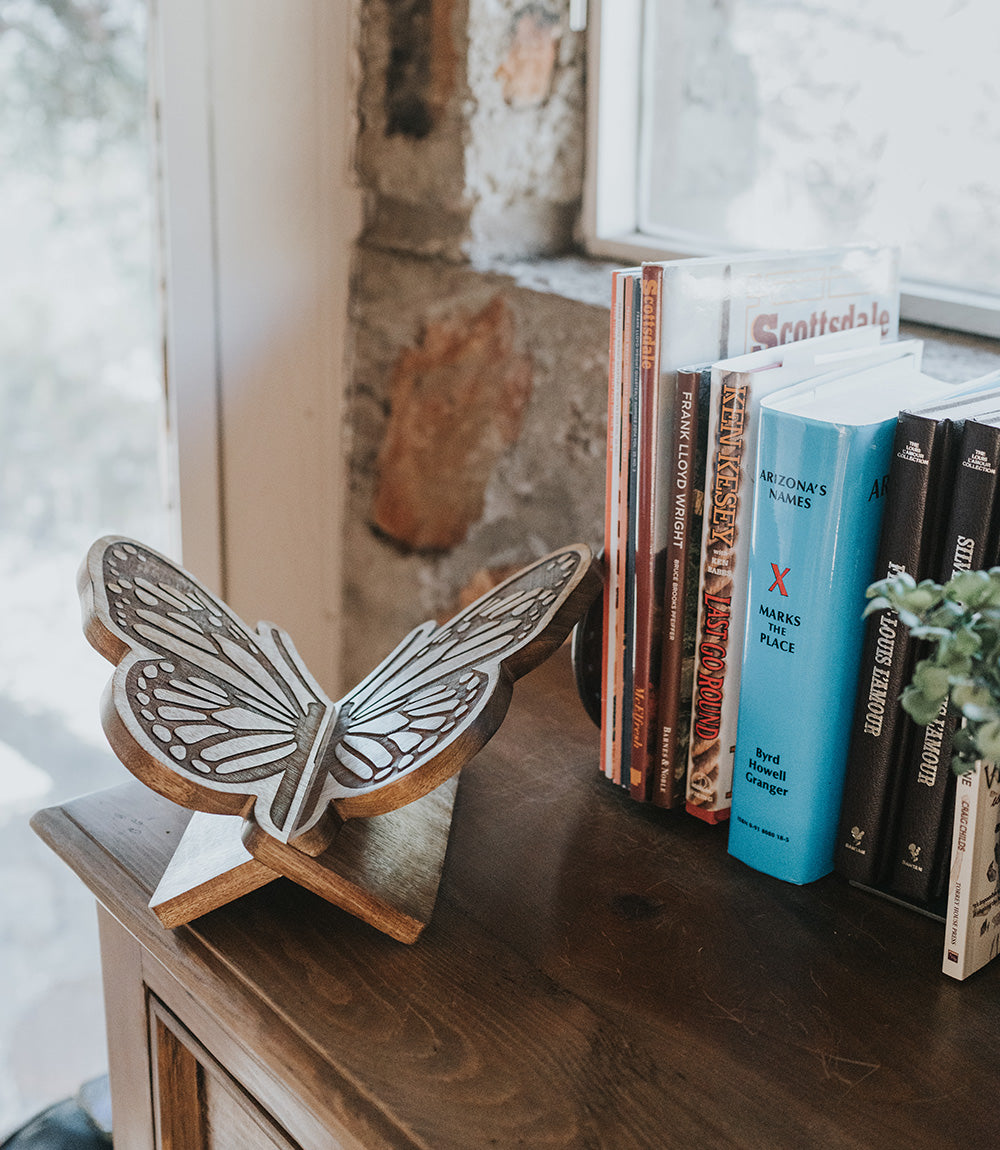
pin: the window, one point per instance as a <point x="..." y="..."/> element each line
<point x="742" y="124"/>
<point x="81" y="439"/>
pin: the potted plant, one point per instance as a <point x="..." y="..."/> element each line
<point x="960" y="621"/>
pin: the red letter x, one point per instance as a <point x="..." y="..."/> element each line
<point x="779" y="579"/>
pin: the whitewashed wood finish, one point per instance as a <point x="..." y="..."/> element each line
<point x="255" y="114"/>
<point x="209" y="868"/>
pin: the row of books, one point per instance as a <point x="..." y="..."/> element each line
<point x="676" y="327"/>
<point x="905" y="819"/>
<point x="754" y="414"/>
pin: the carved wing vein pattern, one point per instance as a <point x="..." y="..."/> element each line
<point x="211" y="697"/>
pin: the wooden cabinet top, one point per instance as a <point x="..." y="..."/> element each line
<point x="597" y="973"/>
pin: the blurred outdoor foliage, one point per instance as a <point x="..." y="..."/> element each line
<point x="80" y="395"/>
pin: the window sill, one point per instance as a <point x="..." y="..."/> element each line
<point x="948" y="354"/>
<point x="954" y="355"/>
<point x="576" y="279"/>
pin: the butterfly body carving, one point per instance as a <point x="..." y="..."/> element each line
<point x="225" y="719"/>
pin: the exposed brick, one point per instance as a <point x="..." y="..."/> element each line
<point x="483" y="580"/>
<point x="526" y="71"/>
<point x="420" y="74"/>
<point x="457" y="403"/>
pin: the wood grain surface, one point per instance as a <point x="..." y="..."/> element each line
<point x="597" y="974"/>
<point x="209" y="868"/>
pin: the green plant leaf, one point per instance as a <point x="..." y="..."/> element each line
<point x="967" y="641"/>
<point x="968" y="587"/>
<point x="880" y="603"/>
<point x="947" y="614"/>
<point x="919" y="600"/>
<point x="987" y="739"/>
<point x="965" y="751"/>
<point x="893" y="586"/>
<point x="931" y="679"/>
<point x="960" y="623"/>
<point x="925" y="631"/>
<point x="957" y="665"/>
<point x="921" y="707"/>
<point x="974" y="701"/>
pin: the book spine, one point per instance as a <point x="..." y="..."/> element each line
<point x="621" y="532"/>
<point x="709" y="779"/>
<point x="626" y="539"/>
<point x="972" y="917"/>
<point x="921" y="840"/>
<point x="646" y="659"/>
<point x="683" y="508"/>
<point x="815" y="536"/>
<point x="918" y="861"/>
<point x="609" y="659"/>
<point x="922" y="461"/>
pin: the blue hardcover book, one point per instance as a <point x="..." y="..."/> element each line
<point x="822" y="459"/>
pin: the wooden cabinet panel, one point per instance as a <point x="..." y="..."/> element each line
<point x="198" y="1106"/>
<point x="128" y="1050"/>
<point x="181" y="1120"/>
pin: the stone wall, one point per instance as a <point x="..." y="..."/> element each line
<point x="477" y="405"/>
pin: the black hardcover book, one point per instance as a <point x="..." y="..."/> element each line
<point x="919" y="860"/>
<point x="685" y="504"/>
<point x="916" y="503"/>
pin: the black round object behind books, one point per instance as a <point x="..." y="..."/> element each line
<point x="586" y="648"/>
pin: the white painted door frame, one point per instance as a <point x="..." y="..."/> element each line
<point x="254" y="106"/>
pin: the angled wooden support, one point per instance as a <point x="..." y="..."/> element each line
<point x="351" y="799"/>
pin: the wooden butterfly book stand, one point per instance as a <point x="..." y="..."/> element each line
<point x="352" y="799"/>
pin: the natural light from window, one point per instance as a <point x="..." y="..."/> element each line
<point x="81" y="447"/>
<point x="813" y="122"/>
<point x="80" y="391"/>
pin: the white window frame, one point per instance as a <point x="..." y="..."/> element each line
<point x="254" y="116"/>
<point x="609" y="220"/>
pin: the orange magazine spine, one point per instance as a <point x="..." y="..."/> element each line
<point x="645" y="645"/>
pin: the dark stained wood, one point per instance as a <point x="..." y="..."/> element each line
<point x="180" y="1114"/>
<point x="597" y="974"/>
<point x="200" y="1107"/>
<point x="385" y="869"/>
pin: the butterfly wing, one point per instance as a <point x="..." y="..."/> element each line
<point x="220" y="718"/>
<point x="203" y="710"/>
<point x="443" y="692"/>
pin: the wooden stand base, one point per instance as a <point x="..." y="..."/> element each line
<point x="385" y="869"/>
<point x="209" y="868"/>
